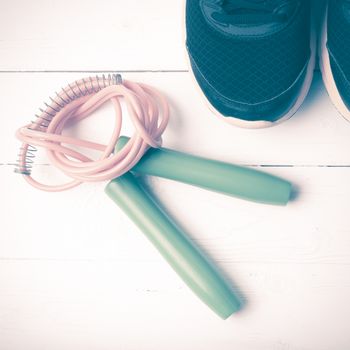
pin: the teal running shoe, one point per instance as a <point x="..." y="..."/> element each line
<point x="334" y="53"/>
<point x="252" y="59"/>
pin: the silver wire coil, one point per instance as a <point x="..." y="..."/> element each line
<point x="71" y="92"/>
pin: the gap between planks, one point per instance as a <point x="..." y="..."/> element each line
<point x="241" y="164"/>
<point x="6" y="259"/>
<point x="95" y="71"/>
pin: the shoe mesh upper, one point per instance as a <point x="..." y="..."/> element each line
<point x="249" y="69"/>
<point x="339" y="46"/>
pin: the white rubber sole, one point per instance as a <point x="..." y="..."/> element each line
<point x="326" y="70"/>
<point x="232" y="120"/>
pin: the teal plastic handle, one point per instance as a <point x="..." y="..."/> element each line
<point x="233" y="180"/>
<point x="184" y="257"/>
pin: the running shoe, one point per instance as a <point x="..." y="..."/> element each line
<point x="252" y="59"/>
<point x="334" y="53"/>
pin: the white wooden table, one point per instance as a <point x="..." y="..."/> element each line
<point x="74" y="271"/>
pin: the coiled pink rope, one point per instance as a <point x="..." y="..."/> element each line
<point x="147" y="108"/>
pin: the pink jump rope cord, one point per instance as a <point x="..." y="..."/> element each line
<point x="149" y="113"/>
<point x="148" y="110"/>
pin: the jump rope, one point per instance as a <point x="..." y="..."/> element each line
<point x="142" y="153"/>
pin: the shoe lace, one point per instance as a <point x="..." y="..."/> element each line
<point x="254" y="11"/>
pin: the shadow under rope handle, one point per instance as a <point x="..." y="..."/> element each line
<point x="182" y="254"/>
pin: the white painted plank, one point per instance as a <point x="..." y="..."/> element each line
<point x="94" y="35"/>
<point x="70" y="280"/>
<point x="109" y="305"/>
<point x="91" y="35"/>
<point x="316" y="135"/>
<point x="85" y="224"/>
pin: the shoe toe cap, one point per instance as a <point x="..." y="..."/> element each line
<point x="269" y="110"/>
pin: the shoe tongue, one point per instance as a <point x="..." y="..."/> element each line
<point x="259" y="11"/>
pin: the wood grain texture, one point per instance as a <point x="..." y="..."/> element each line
<point x="74" y="271"/>
<point x="140" y="305"/>
<point x="94" y="35"/>
<point x="91" y="35"/>
<point x="316" y="136"/>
